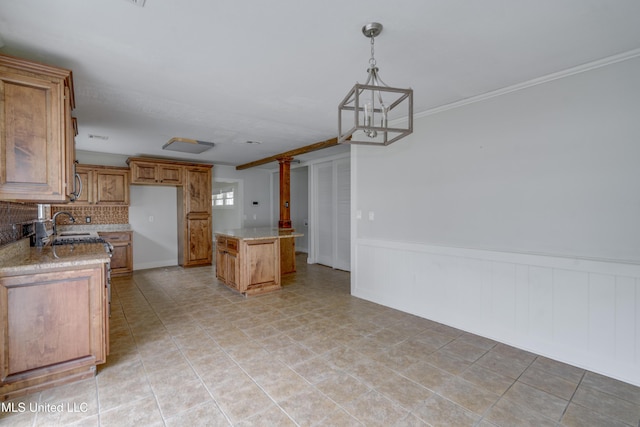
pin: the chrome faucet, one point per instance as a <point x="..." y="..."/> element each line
<point x="55" y="215"/>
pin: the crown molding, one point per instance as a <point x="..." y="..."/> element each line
<point x="534" y="82"/>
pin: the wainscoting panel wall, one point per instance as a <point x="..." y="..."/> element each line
<point x="584" y="312"/>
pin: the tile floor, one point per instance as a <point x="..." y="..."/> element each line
<point x="187" y="351"/>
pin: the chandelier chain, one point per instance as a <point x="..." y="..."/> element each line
<point x="372" y="60"/>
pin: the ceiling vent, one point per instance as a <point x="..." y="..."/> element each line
<point x="139" y="3"/>
<point x="186" y="145"/>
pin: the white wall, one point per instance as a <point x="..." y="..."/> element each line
<point x="547" y="178"/>
<point x="227" y="217"/>
<point x="256" y="188"/>
<point x="153" y="216"/>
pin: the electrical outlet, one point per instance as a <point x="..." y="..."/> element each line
<point x="87" y="219"/>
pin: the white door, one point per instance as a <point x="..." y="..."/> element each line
<point x="331" y="226"/>
<point x="325" y="212"/>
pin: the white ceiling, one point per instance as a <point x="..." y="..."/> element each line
<point x="229" y="71"/>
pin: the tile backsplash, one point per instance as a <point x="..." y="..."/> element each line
<point x="97" y="214"/>
<point x="16" y="221"/>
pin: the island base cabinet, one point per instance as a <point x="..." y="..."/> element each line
<point x="250" y="267"/>
<point x="260" y="268"/>
<point x="54" y="329"/>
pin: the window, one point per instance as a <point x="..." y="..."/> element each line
<point x="223" y="199"/>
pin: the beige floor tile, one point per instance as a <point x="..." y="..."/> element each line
<point x="440" y="412"/>
<point x="448" y="363"/>
<point x="339" y="418"/>
<point x="281" y="382"/>
<point x="189" y="394"/>
<point x="240" y="400"/>
<point x="114" y="394"/>
<point x="467" y="395"/>
<point x="579" y="416"/>
<point x="612" y="386"/>
<point x="272" y="416"/>
<point x="607" y="405"/>
<point x="463" y="350"/>
<point x="506" y="413"/>
<point x="503" y="364"/>
<point x="206" y="414"/>
<point x="487" y="379"/>
<point x="342" y="387"/>
<point x="427" y="375"/>
<point x="309" y="407"/>
<point x="537" y="400"/>
<point x="568" y="372"/>
<point x="550" y="383"/>
<point x="139" y="413"/>
<point x="404" y="392"/>
<point x="315" y="370"/>
<point x="373" y="409"/>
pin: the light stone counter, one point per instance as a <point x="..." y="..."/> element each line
<point x="258" y="233"/>
<point x="95" y="227"/>
<point x="20" y="258"/>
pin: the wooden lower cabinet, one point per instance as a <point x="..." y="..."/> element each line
<point x="55" y="329"/>
<point x="122" y="257"/>
<point x="197" y="247"/>
<point x="249" y="266"/>
<point x="227" y="261"/>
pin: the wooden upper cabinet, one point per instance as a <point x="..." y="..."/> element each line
<point x="144" y="172"/>
<point x="36" y="131"/>
<point x="103" y="185"/>
<point x="198" y="194"/>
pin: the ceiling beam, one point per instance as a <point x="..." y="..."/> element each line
<point x="296" y="152"/>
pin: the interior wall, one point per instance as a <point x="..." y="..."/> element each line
<point x="529" y="202"/>
<point x="551" y="169"/>
<point x="227" y="217"/>
<point x="256" y="188"/>
<point x="153" y="216"/>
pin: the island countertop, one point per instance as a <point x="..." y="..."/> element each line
<point x="258" y="233"/>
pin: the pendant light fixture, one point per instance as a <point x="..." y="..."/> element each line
<point x="374" y="113"/>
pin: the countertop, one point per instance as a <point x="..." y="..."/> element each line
<point x="95" y="227"/>
<point x="21" y="258"/>
<point x="258" y="233"/>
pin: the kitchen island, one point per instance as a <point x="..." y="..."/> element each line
<point x="54" y="306"/>
<point x="248" y="260"/>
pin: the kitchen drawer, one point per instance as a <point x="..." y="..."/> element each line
<point x="232" y="244"/>
<point x="115" y="235"/>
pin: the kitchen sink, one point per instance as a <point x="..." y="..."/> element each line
<point x="70" y="237"/>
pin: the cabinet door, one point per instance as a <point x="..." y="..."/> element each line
<point x="143" y="173"/>
<point x="54" y="323"/>
<point x="32" y="138"/>
<point x="112" y="187"/>
<point x="70" y="145"/>
<point x="233" y="270"/>
<point x="198" y="191"/>
<point x="221" y="260"/>
<point x="199" y="240"/>
<point x="122" y="257"/>
<point x="170" y="174"/>
<point x="86" y="177"/>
